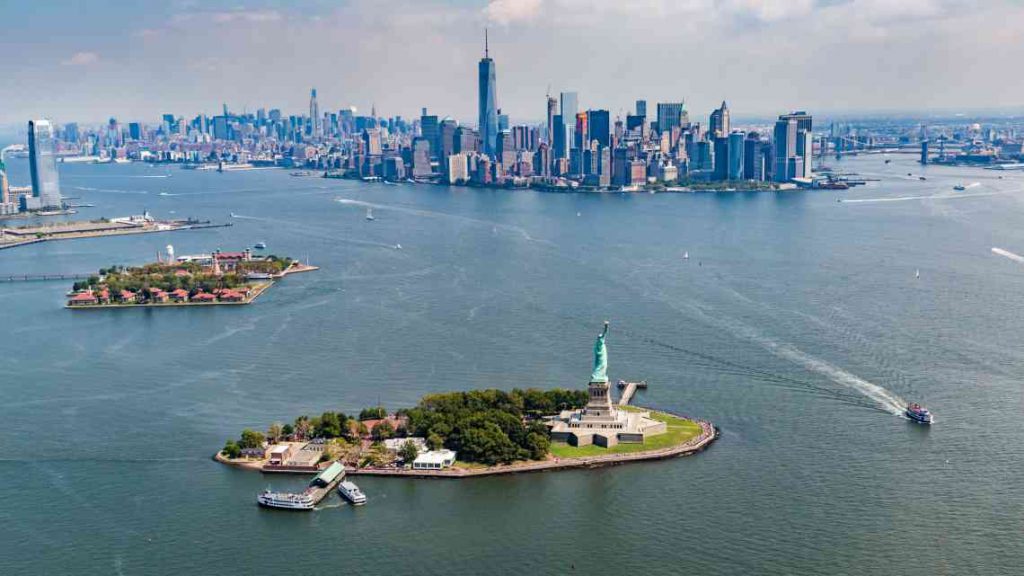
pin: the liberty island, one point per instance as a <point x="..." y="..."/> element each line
<point x="412" y="442"/>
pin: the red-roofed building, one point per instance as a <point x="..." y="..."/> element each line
<point x="158" y="295"/>
<point x="104" y="296"/>
<point x="83" y="299"/>
<point x="128" y="297"/>
<point x="204" y="297"/>
<point x="231" y="296"/>
<point x="179" y="295"/>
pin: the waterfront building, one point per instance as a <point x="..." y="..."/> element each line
<point x="720" y="161"/>
<point x="570" y="107"/>
<point x="670" y="114"/>
<point x="734" y="162"/>
<point x="457" y="169"/>
<point x="394" y="168"/>
<point x="793" y="143"/>
<point x="372" y="142"/>
<point x="641" y="108"/>
<point x="718" y="123"/>
<point x="42" y="166"/>
<point x="434" y="460"/>
<point x="600" y="422"/>
<point x="558" y="147"/>
<point x="421" y="158"/>
<point x="753" y="160"/>
<point x="488" y="103"/>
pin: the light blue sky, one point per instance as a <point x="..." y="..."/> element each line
<point x="90" y="60"/>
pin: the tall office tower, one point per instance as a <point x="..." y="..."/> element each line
<point x="315" y="126"/>
<point x="734" y="164"/>
<point x="134" y="130"/>
<point x="465" y="140"/>
<point x="784" y="143"/>
<point x="488" y="102"/>
<point x="670" y="114"/>
<point x="581" y="133"/>
<point x="431" y="132"/>
<point x="421" y="158"/>
<point x="542" y="160"/>
<point x="794" y="140"/>
<point x="5" y="187"/>
<point x="721" y="161"/>
<point x="753" y="168"/>
<point x="71" y="132"/>
<point x="718" y="125"/>
<point x="599" y="122"/>
<point x="446" y="137"/>
<point x="641" y="108"/>
<point x="559" y="148"/>
<point x="503" y="121"/>
<point x="371" y="142"/>
<point x="570" y="106"/>
<point x="552" y="113"/>
<point x="43" y="164"/>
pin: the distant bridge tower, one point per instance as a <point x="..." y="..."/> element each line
<point x="924" y="152"/>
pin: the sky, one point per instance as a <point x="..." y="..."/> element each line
<point x="89" y="60"/>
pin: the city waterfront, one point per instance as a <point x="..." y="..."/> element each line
<point x="788" y="308"/>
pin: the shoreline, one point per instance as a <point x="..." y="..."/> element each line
<point x="53" y="236"/>
<point x="709" y="433"/>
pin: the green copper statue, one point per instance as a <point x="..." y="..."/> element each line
<point x="600" y="373"/>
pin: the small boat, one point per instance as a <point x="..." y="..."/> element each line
<point x="233" y="215"/>
<point x="922" y="178"/>
<point x="398" y="246"/>
<point x="352" y="493"/>
<point x="285" y="500"/>
<point x="369" y="214"/>
<point x="686" y="255"/>
<point x="917" y="273"/>
<point x="918" y="413"/>
<point x="260" y="246"/>
<point x="959" y="187"/>
<point x="888" y="161"/>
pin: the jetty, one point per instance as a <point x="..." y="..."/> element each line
<point x="629" y="390"/>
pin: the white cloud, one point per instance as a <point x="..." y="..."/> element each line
<point x="512" y="11"/>
<point x="81" y="59"/>
<point x="769" y="10"/>
<point x="246" y="16"/>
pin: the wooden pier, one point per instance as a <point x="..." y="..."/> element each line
<point x="42" y="277"/>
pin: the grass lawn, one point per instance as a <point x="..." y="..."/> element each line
<point x="679" y="430"/>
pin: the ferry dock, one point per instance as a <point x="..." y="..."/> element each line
<point x="629" y="390"/>
<point x="319" y="488"/>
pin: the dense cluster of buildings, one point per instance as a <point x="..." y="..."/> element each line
<point x="652" y="145"/>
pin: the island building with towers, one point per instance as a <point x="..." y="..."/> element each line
<point x="600" y="422"/>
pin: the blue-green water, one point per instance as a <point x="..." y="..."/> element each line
<point x="790" y="307"/>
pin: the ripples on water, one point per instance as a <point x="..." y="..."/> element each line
<point x="795" y="323"/>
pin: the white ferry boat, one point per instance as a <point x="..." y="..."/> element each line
<point x="286" y="500"/>
<point x="919" y="413"/>
<point x="352" y="493"/>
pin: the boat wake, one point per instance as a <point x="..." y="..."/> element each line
<point x="1008" y="254"/>
<point x="883" y="397"/>
<point x="911" y="198"/>
<point x="431" y="214"/>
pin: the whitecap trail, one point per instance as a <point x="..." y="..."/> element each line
<point x="1008" y="254"/>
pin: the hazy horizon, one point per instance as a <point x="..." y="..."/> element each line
<point x="136" y="62"/>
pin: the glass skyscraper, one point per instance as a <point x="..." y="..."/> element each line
<point x="488" y="103"/>
<point x="43" y="164"/>
<point x="570" y="107"/>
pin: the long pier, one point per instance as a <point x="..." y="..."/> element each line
<point x="42" y="277"/>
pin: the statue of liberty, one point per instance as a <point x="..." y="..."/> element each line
<point x="600" y="373"/>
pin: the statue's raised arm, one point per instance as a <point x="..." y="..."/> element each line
<point x="600" y="373"/>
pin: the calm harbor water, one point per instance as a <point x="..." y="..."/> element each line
<point x="795" y="325"/>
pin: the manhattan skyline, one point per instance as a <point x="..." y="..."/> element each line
<point x="762" y="56"/>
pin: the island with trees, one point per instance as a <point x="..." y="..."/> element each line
<point x="491" y="431"/>
<point x="216" y="278"/>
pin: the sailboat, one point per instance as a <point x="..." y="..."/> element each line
<point x="369" y="214"/>
<point x="917" y="273"/>
<point x="686" y="255"/>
